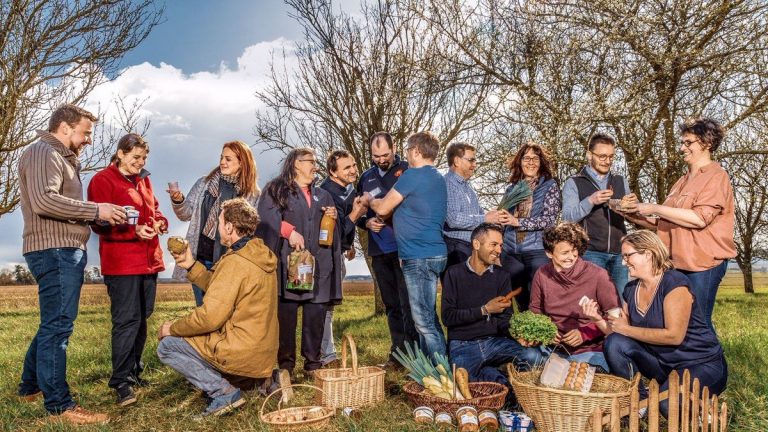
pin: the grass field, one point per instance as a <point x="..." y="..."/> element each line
<point x="170" y="402"/>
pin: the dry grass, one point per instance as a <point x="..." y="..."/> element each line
<point x="169" y="404"/>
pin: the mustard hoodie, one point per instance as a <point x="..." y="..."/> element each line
<point x="236" y="328"/>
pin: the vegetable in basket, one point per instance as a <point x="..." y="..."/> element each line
<point x="533" y="327"/>
<point x="436" y="378"/>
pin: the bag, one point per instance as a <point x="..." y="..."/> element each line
<point x="301" y="271"/>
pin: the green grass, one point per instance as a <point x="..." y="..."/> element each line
<point x="170" y="403"/>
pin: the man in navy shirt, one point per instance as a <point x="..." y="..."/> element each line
<point x="477" y="314"/>
<point x="419" y="200"/>
<point x="382" y="247"/>
<point x="342" y="173"/>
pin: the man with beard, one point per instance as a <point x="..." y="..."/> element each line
<point x="585" y="201"/>
<point x="382" y="247"/>
<point x="56" y="231"/>
<point x="476" y="311"/>
<point x="342" y="173"/>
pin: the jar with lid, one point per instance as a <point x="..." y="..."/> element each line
<point x="444" y="421"/>
<point x="488" y="421"/>
<point x="467" y="417"/>
<point x="424" y="414"/>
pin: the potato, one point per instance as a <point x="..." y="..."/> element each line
<point x="177" y="245"/>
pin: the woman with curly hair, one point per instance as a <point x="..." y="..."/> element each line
<point x="560" y="287"/>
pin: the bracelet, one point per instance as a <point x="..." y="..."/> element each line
<point x="484" y="310"/>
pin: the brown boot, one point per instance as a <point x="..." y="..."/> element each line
<point x="78" y="415"/>
<point x="31" y="397"/>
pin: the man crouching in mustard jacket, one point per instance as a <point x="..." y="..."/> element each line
<point x="235" y="330"/>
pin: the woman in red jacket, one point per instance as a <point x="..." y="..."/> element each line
<point x="130" y="258"/>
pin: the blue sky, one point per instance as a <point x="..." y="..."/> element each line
<point x="198" y="72"/>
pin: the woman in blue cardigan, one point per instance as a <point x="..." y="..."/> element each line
<point x="525" y="222"/>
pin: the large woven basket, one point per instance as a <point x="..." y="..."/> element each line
<point x="555" y="410"/>
<point x="486" y="395"/>
<point x="350" y="387"/>
<point x="278" y="419"/>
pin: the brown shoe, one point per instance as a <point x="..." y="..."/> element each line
<point x="333" y="364"/>
<point x="78" y="415"/>
<point x="31" y="397"/>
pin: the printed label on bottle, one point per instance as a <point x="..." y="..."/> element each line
<point x="323" y="235"/>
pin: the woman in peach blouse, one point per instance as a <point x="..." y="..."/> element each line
<point x="697" y="218"/>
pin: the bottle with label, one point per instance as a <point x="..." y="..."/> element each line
<point x="327" y="226"/>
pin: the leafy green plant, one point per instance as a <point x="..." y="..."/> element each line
<point x="533" y="327"/>
<point x="515" y="196"/>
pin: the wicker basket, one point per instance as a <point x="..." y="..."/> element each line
<point x="487" y="395"/>
<point x="350" y="387"/>
<point x="555" y="410"/>
<point x="276" y="419"/>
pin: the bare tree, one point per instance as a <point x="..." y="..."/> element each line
<point x="56" y="51"/>
<point x="751" y="198"/>
<point x="360" y="74"/>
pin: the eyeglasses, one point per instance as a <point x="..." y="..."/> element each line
<point x="313" y="161"/>
<point x="530" y="159"/>
<point x="470" y="160"/>
<point x="626" y="256"/>
<point x="604" y="157"/>
<point x="688" y="143"/>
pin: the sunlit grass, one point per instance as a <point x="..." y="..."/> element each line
<point x="169" y="404"/>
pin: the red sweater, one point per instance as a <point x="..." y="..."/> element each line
<point x="121" y="251"/>
<point x="557" y="295"/>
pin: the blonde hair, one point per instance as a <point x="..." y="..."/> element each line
<point x="647" y="241"/>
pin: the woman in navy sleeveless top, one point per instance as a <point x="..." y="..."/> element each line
<point x="662" y="327"/>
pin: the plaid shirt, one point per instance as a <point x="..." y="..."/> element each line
<point x="464" y="211"/>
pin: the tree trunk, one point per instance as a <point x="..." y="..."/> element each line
<point x="749" y="286"/>
<point x="378" y="303"/>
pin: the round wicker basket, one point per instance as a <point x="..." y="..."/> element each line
<point x="555" y="410"/>
<point x="278" y="419"/>
<point x="486" y="395"/>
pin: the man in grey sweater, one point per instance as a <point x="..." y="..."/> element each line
<point x="55" y="234"/>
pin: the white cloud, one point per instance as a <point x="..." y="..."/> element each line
<point x="191" y="116"/>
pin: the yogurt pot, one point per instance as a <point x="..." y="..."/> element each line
<point x="614" y="313"/>
<point x="132" y="214"/>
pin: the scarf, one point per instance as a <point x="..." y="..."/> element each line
<point x="524" y="208"/>
<point x="211" y="224"/>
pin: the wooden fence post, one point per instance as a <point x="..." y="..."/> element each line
<point x="685" y="417"/>
<point x="634" y="408"/>
<point x="615" y="415"/>
<point x="705" y="409"/>
<point x="673" y="418"/>
<point x="597" y="420"/>
<point x="653" y="406"/>
<point x="695" y="405"/>
<point x="724" y="418"/>
<point x="715" y="414"/>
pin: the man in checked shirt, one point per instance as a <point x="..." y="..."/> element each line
<point x="464" y="211"/>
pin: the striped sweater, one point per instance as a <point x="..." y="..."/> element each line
<point x="55" y="215"/>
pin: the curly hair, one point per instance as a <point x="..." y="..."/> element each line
<point x="241" y="214"/>
<point x="568" y="232"/>
<point x="515" y="164"/>
<point x="707" y="130"/>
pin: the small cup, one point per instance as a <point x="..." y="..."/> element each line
<point x="614" y="313"/>
<point x="132" y="215"/>
<point x="173" y="186"/>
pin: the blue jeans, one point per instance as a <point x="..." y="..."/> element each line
<point x="421" y="277"/>
<point x="199" y="293"/>
<point x="59" y="275"/>
<point x="483" y="357"/>
<point x="627" y="356"/>
<point x="531" y="260"/>
<point x="611" y="262"/>
<point x="181" y="356"/>
<point x="704" y="285"/>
